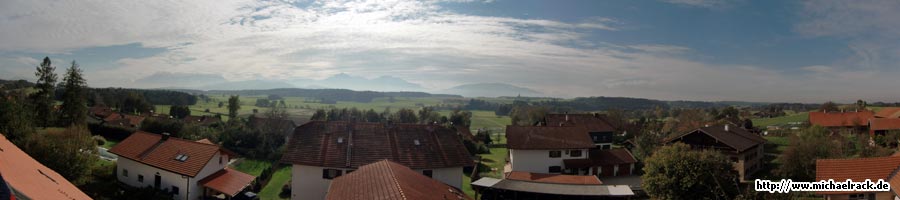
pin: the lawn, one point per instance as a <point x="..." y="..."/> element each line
<point x="485" y="119"/>
<point x="252" y="167"/>
<point x="796" y="117"/>
<point x="273" y="188"/>
<point x="110" y="143"/>
<point x="495" y="160"/>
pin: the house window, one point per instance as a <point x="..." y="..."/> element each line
<point x="174" y="190"/>
<point x="575" y="153"/>
<point x="125" y="172"/>
<point x="220" y="159"/>
<point x="331" y="173"/>
<point x="555" y="169"/>
<point x="140" y="178"/>
<point x="427" y="173"/>
<point x="555" y="154"/>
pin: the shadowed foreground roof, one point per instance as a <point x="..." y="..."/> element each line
<point x="147" y="148"/>
<point x="554" y="188"/>
<point x="856" y="169"/>
<point x="31" y="178"/>
<point x="417" y="146"/>
<point x="548" y="137"/>
<point x="389" y="180"/>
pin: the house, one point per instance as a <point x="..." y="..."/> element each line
<point x="187" y="169"/>
<point x="841" y="120"/>
<point x="528" y="185"/>
<point x="888" y="112"/>
<point x="858" y="170"/>
<point x="389" y="180"/>
<point x="26" y="178"/>
<point x="563" y="150"/>
<point x="123" y="120"/>
<point x="321" y="151"/>
<point x="880" y="126"/>
<point x="100" y="111"/>
<point x="745" y="149"/>
<point x="601" y="132"/>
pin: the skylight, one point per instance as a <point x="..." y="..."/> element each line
<point x="181" y="157"/>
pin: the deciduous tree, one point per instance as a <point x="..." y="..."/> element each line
<point x="678" y="172"/>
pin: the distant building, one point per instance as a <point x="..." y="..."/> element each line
<point x="880" y="126"/>
<point x="527" y="185"/>
<point x="745" y="149"/>
<point x="564" y="150"/>
<point x="389" y="180"/>
<point x="187" y="169"/>
<point x="858" y="170"/>
<point x="29" y="179"/>
<point x="322" y="151"/>
<point x="123" y="120"/>
<point x="857" y="120"/>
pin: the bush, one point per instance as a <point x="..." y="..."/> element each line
<point x="285" y="191"/>
<point x="99" y="139"/>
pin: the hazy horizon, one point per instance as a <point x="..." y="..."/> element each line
<point x="710" y="50"/>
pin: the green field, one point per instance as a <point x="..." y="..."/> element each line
<point x="783" y="120"/>
<point x="485" y="119"/>
<point x="273" y="188"/>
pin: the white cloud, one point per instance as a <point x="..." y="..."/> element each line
<point x="711" y="4"/>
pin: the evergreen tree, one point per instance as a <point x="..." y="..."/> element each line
<point x="43" y="98"/>
<point x="234" y="104"/>
<point x="74" y="107"/>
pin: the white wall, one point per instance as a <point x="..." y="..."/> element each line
<point x="539" y="161"/>
<point x="307" y="181"/>
<point x="168" y="179"/>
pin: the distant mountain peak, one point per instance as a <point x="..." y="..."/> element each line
<point x="491" y="90"/>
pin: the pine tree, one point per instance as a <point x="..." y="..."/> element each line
<point x="43" y="98"/>
<point x="74" y="107"/>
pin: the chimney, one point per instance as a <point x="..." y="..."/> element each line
<point x="726" y="127"/>
<point x="165" y="136"/>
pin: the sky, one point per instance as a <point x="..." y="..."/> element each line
<point x="711" y="50"/>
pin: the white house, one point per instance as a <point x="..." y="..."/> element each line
<point x="321" y="151"/>
<point x="563" y="150"/>
<point x="187" y="169"/>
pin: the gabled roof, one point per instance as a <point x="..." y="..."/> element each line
<point x="734" y="137"/>
<point x="149" y="149"/>
<point x="591" y="122"/>
<point x="100" y="111"/>
<point x="856" y="169"/>
<point x="30" y="178"/>
<point x="124" y="119"/>
<point x="548" y="137"/>
<point x="388" y="180"/>
<point x="227" y="181"/>
<point x="888" y="112"/>
<point x="418" y="146"/>
<point x="840" y="119"/>
<point x="598" y="157"/>
<point x="553" y="178"/>
<point x="884" y="124"/>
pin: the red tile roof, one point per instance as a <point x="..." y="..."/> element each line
<point x="553" y="178"/>
<point x="598" y="157"/>
<point x="100" y="111"/>
<point x="147" y="148"/>
<point x="124" y="119"/>
<point x="840" y="119"/>
<point x="548" y="137"/>
<point x="856" y="169"/>
<point x="888" y="112"/>
<point x="30" y="178"/>
<point x="884" y="124"/>
<point x="591" y="122"/>
<point x="228" y="181"/>
<point x="330" y="144"/>
<point x="389" y="180"/>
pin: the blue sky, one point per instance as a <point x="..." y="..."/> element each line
<point x="806" y="51"/>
